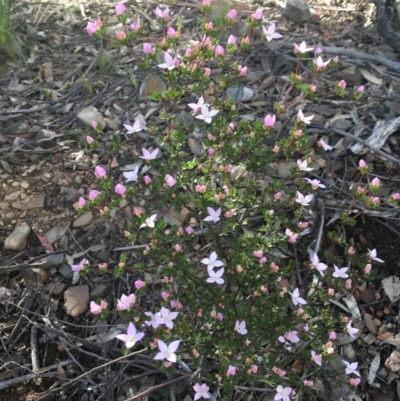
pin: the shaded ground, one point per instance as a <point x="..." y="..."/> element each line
<point x="41" y="181"/>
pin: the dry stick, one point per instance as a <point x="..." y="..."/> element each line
<point x="151" y="389"/>
<point x="34" y="354"/>
<point x="19" y="380"/>
<point x="91" y="372"/>
<point x="357" y="139"/>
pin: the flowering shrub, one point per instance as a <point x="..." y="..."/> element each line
<point x="228" y="287"/>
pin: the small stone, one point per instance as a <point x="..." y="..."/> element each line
<point x="24" y="184"/>
<point x="98" y="292"/>
<point x="284" y="168"/>
<point x="76" y="300"/>
<point x="72" y="195"/>
<point x="17" y="128"/>
<point x="297" y="11"/>
<point x="12" y="196"/>
<point x="55" y="288"/>
<point x="83" y="220"/>
<point x="369" y="322"/>
<point x="89" y="114"/>
<point x="52" y="261"/>
<point x="342" y="124"/>
<point x="349" y="351"/>
<point x="31" y="203"/>
<point x="369" y="339"/>
<point x="66" y="271"/>
<point x="57" y="231"/>
<point x="16" y="241"/>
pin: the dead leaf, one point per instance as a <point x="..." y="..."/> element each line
<point x="371" y="78"/>
<point x="45" y="243"/>
<point x="391" y="285"/>
<point x="48" y="71"/>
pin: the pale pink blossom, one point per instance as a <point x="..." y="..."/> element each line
<point x="304" y="200"/>
<point x="308" y="383"/>
<point x="351" y="330"/>
<point x="212" y="261"/>
<point x="153" y="319"/>
<point x="316" y="358"/>
<point x="314" y="183"/>
<point x="206" y="114"/>
<point x="257" y="15"/>
<point x="232" y="40"/>
<point x="340" y="272"/>
<point x="119" y="9"/>
<point x="147" y="48"/>
<point x="321" y="143"/>
<point x="89" y="139"/>
<point x="136" y="127"/>
<point x="351" y="368"/>
<point x="92" y="28"/>
<point x="162" y="14"/>
<point x="215" y="277"/>
<point x="213" y="215"/>
<point x="120" y="189"/>
<point x="149" y="155"/>
<point x="169" y="62"/>
<point x="131" y="337"/>
<point x="302" y="48"/>
<point x="270" y="33"/>
<point x="232" y="15"/>
<point x="240" y="327"/>
<point x="166" y="317"/>
<point x="320" y="63"/>
<point x="219" y="50"/>
<point x="296" y="299"/>
<point x="367" y="268"/>
<point x="355" y="381"/>
<point x="269" y="121"/>
<point x="342" y="84"/>
<point x="139" y="284"/>
<point x="131" y="175"/>
<point x="360" y="89"/>
<point x="231" y="370"/>
<point x="283" y="393"/>
<point x="167" y="351"/>
<point x="316" y="264"/>
<point x="170" y="181"/>
<point x="303" y="165"/>
<point x="147" y="180"/>
<point x="126" y="302"/>
<point x="372" y="256"/>
<point x="121" y="35"/>
<point x="99" y="172"/>
<point x="201" y="390"/>
<point x="81" y="202"/>
<point x="301" y="117"/>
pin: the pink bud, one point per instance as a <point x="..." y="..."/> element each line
<point x="94" y="124"/>
<point x="177" y="248"/>
<point x="360" y="89"/>
<point x="257" y="15"/>
<point x="201" y="188"/>
<point x="232" y="15"/>
<point x="228" y="168"/>
<point x="81" y="202"/>
<point x="332" y="335"/>
<point x="189" y="230"/>
<point x="89" y="140"/>
<point x="120" y="189"/>
<point x="119" y="9"/>
<point x="232" y="40"/>
<point x="147" y="179"/>
<point x="209" y="26"/>
<point x="317" y="51"/>
<point x="121" y="35"/>
<point x="231" y="371"/>
<point x="211" y="151"/>
<point x="165" y="295"/>
<point x="93" y="194"/>
<point x="139" y="284"/>
<point x="258" y="254"/>
<point x="171" y="33"/>
<point x="367" y="268"/>
<point x="147" y="48"/>
<point x="99" y="172"/>
<point x="396" y="196"/>
<point x="95" y="308"/>
<point x="219" y="50"/>
<point x="336" y="59"/>
<point x="170" y="181"/>
<point x="242" y="71"/>
<point x="207" y="72"/>
<point x="342" y="84"/>
<point x="278" y="195"/>
<point x="362" y="163"/>
<point x="331" y="291"/>
<point x="376" y="182"/>
<point x="206" y="3"/>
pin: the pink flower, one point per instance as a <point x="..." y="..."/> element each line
<point x="351" y="368"/>
<point x="355" y="381"/>
<point x="332" y="335"/>
<point x="207" y="115"/>
<point x="242" y="71"/>
<point x="176" y="304"/>
<point x="367" y="268"/>
<point x="278" y="371"/>
<point x="320" y="63"/>
<point x="149" y="155"/>
<point x="395" y="196"/>
<point x="348" y="284"/>
<point x="342" y="84"/>
<point x="269" y="121"/>
<point x="340" y="272"/>
<point x="316" y="264"/>
<point x="301" y="117"/>
<point x="231" y="370"/>
<point x="139" y="284"/>
<point x="167" y="351"/>
<point x="121" y="35"/>
<point x="189" y="230"/>
<point x="292" y="336"/>
<point x="213" y="215"/>
<point x="99" y="172"/>
<point x="164" y="295"/>
<point x="308" y="383"/>
<point x="131" y="337"/>
<point x="316" y="358"/>
<point x="147" y="179"/>
<point x="302" y="48"/>
<point x="162" y="14"/>
<point x="215" y="277"/>
<point x="126" y="302"/>
<point x="360" y="89"/>
<point x="135" y="26"/>
<point x="131" y="175"/>
<point x="372" y="256"/>
<point x="232" y="15"/>
<point x="80" y="266"/>
<point x="201" y="390"/>
<point x="296" y="299"/>
<point x="170" y="63"/>
<point x="89" y="140"/>
<point x="119" y="9"/>
<point x="153" y="319"/>
<point x="253" y="369"/>
<point x="240" y="327"/>
<point x="147" y="48"/>
<point x="303" y="165"/>
<point x="257" y="15"/>
<point x="317" y="51"/>
<point x="207" y="71"/>
<point x="304" y="200"/>
<point x="292" y="236"/>
<point x="170" y="181"/>
<point x="94" y="124"/>
<point x="321" y="143"/>
<point x="362" y="163"/>
<point x="95" y="308"/>
<point x="206" y="3"/>
<point x="270" y="33"/>
<point x="167" y="317"/>
<point x="376" y="182"/>
<point x="120" y="189"/>
<point x="258" y="254"/>
<point x="131" y="129"/>
<point x="351" y="330"/>
<point x="283" y="393"/>
<point x="177" y="248"/>
<point x="211" y="151"/>
<point x="93" y="27"/>
<point x="278" y="195"/>
<point x="232" y="40"/>
<point x="331" y="292"/>
<point x="93" y="194"/>
<point x="81" y="202"/>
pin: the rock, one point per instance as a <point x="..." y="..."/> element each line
<point x="342" y="124"/>
<point x="76" y="300"/>
<point x="297" y="11"/>
<point x="83" y="220"/>
<point x="284" y="168"/>
<point x="16" y="241"/>
<point x="72" y="195"/>
<point x="55" y="288"/>
<point x="369" y="339"/>
<point x="240" y="172"/>
<point x="30" y="203"/>
<point x="239" y="94"/>
<point x="66" y="271"/>
<point x="369" y="322"/>
<point x="52" y="261"/>
<point x="349" y="351"/>
<point x="12" y="196"/>
<point x="352" y="75"/>
<point x="17" y="128"/>
<point x="58" y="231"/>
<point x="89" y="114"/>
<point x="98" y="292"/>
